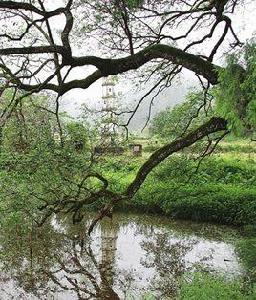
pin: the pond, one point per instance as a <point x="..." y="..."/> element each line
<point x="127" y="257"/>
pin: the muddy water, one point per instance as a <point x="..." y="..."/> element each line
<point x="125" y="258"/>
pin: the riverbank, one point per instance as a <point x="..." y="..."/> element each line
<point x="221" y="190"/>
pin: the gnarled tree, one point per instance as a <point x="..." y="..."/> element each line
<point x="43" y="43"/>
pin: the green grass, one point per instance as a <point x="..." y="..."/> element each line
<point x="209" y="287"/>
<point x="246" y="249"/>
<point x="204" y="286"/>
<point x="222" y="191"/>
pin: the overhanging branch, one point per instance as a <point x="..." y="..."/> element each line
<point x="107" y="67"/>
<point x="131" y="62"/>
<point x="214" y="125"/>
<point x="13" y="5"/>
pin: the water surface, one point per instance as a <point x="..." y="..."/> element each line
<point x="125" y="258"/>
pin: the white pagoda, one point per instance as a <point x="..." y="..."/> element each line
<point x="108" y="94"/>
<point x="109" y="130"/>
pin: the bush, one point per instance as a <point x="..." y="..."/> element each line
<point x="215" y="203"/>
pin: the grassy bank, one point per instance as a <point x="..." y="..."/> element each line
<point x="222" y="190"/>
<point x="206" y="286"/>
<point x="209" y="287"/>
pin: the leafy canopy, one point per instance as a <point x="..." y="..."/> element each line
<point x="236" y="93"/>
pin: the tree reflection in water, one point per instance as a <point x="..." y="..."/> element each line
<point x="59" y="261"/>
<point x="45" y="262"/>
<point x="167" y="256"/>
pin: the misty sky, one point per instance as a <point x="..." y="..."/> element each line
<point x="244" y="24"/>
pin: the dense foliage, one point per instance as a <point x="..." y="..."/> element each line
<point x="36" y="168"/>
<point x="237" y="87"/>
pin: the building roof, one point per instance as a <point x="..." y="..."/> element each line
<point x="108" y="81"/>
